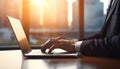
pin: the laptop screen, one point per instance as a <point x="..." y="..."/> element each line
<point x="20" y="34"/>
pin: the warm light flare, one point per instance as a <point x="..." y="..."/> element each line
<point x="38" y="1"/>
<point x="48" y="12"/>
<point x="40" y="5"/>
<point x="70" y="12"/>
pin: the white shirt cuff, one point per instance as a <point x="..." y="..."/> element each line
<point x="77" y="46"/>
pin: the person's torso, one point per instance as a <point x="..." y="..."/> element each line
<point x="113" y="26"/>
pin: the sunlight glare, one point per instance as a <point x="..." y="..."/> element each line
<point x="39" y="4"/>
<point x="38" y="1"/>
<point x="70" y="12"/>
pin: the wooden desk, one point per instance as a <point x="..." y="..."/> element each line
<point x="12" y="59"/>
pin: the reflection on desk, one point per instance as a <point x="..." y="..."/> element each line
<point x="13" y="60"/>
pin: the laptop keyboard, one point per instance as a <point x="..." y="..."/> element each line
<point x="39" y="53"/>
<point x="35" y="52"/>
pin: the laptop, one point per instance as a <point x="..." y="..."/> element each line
<point x="25" y="47"/>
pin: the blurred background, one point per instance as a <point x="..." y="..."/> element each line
<point x="52" y="18"/>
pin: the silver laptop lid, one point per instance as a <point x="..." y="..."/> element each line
<point x="20" y="34"/>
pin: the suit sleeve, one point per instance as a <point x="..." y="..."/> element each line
<point x="102" y="47"/>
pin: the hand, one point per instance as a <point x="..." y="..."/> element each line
<point x="49" y="43"/>
<point x="58" y="42"/>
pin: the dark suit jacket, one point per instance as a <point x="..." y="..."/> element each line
<point x="106" y="43"/>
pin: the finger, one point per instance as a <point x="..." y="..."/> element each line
<point x="60" y="37"/>
<point x="47" y="45"/>
<point x="52" y="48"/>
<point x="43" y="49"/>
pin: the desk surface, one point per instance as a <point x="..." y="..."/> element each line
<point x="12" y="59"/>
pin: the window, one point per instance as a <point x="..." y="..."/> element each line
<point x="51" y="18"/>
<point x="11" y="8"/>
<point x="95" y="13"/>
